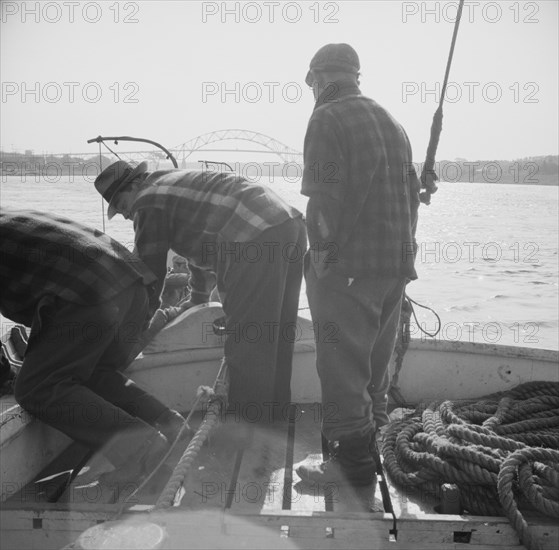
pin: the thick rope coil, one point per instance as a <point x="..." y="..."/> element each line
<point x="502" y="451"/>
<point x="510" y="471"/>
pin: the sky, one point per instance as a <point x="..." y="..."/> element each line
<point x="173" y="70"/>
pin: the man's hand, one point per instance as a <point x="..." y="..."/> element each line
<point x="428" y="179"/>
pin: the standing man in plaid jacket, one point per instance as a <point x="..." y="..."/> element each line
<point x="241" y="236"/>
<point x="361" y="216"/>
<point x="85" y="298"/>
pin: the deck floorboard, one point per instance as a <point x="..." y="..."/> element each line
<point x="307" y="497"/>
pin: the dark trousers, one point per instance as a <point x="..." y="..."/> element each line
<point x="71" y="375"/>
<point x="259" y="284"/>
<point x="355" y="323"/>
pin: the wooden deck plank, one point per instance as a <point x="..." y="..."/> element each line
<point x="207" y="484"/>
<point x="341" y="498"/>
<point x="284" y="481"/>
<point x="259" y="481"/>
<point x="305" y="497"/>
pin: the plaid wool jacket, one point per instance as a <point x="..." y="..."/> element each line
<point x="360" y="157"/>
<point x="44" y="254"/>
<point x="201" y="215"/>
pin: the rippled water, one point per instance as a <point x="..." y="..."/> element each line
<point x="487" y="262"/>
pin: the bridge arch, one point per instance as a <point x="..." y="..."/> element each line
<point x="286" y="153"/>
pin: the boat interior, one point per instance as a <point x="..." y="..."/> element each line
<point x="241" y="488"/>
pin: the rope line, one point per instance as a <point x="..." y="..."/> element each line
<point x="107" y="147"/>
<point x="217" y="396"/>
<point x="502" y="451"/>
<point x="210" y="421"/>
<point x="431" y="334"/>
<point x="167" y="497"/>
<point x="102" y="201"/>
<point x="403" y="341"/>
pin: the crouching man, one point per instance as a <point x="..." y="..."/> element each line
<point x="86" y="299"/>
<point x="240" y="235"/>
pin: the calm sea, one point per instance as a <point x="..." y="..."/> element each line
<point x="487" y="261"/>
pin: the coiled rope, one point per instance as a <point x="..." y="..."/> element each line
<point x="502" y="451"/>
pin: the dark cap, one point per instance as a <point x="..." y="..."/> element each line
<point x="334" y="57"/>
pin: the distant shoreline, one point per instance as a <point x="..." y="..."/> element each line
<point x="29" y="177"/>
<point x="545" y="180"/>
<point x="541" y="170"/>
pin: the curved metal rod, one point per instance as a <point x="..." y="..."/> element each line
<point x="100" y="139"/>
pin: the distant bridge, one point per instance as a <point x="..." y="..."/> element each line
<point x="286" y="153"/>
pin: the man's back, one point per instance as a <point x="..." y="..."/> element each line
<point x="214" y="203"/>
<point x="44" y="254"/>
<point x="368" y="156"/>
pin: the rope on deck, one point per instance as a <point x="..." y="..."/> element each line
<point x="211" y="419"/>
<point x="502" y="451"/>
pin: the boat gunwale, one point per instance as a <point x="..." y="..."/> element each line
<point x="151" y="360"/>
<point x="482" y="348"/>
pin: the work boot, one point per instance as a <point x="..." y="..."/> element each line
<point x="140" y="464"/>
<point x="170" y="423"/>
<point x="350" y="463"/>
